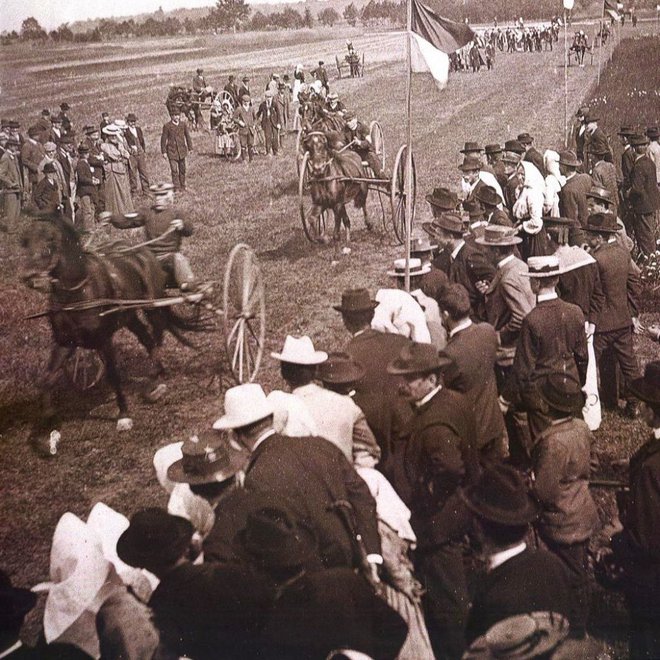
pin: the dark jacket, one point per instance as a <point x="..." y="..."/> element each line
<point x="134" y="141"/>
<point x="573" y="198"/>
<point x="533" y="581"/>
<point x="273" y="117"/>
<point x="310" y="475"/>
<point x="32" y="154"/>
<point x="47" y="196"/>
<point x="84" y="175"/>
<point x="583" y="288"/>
<point x="535" y="158"/>
<point x="473" y="352"/>
<point x="643" y="194"/>
<point x="621" y="287"/>
<point x="627" y="161"/>
<point x="175" y="141"/>
<point x="596" y="143"/>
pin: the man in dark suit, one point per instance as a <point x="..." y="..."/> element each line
<point x="511" y="158"/>
<point x="472" y="184"/>
<point x="464" y="263"/>
<point x="494" y="159"/>
<point x="518" y="579"/>
<point x="472" y="349"/>
<point x="232" y="90"/>
<point x="439" y="458"/>
<point x="311" y="476"/>
<point x="32" y="153"/>
<point x="47" y="194"/>
<point x="621" y="287"/>
<point x="573" y="195"/>
<point x="388" y="414"/>
<point x="11" y="181"/>
<point x="532" y="155"/>
<point x="628" y="155"/>
<point x="271" y="123"/>
<point x="596" y="142"/>
<point x="87" y="189"/>
<point x="244" y="89"/>
<point x="321" y="74"/>
<point x="643" y="196"/>
<point x="579" y="132"/>
<point x="43" y="124"/>
<point x="175" y="145"/>
<point x="136" y="145"/>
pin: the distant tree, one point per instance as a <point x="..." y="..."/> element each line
<point x="328" y="16"/>
<point x="350" y="14"/>
<point x="308" y="19"/>
<point x="62" y="33"/>
<point x="227" y="14"/>
<point x="31" y="30"/>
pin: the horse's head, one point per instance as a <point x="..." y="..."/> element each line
<point x="316" y="143"/>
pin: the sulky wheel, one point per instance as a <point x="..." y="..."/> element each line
<point x="378" y="141"/>
<point x="314" y="226"/>
<point x="300" y="150"/>
<point x="226" y="96"/>
<point x="84" y="368"/>
<point x="398" y="193"/>
<point x="244" y="305"/>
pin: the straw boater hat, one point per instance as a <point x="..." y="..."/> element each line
<point x="415" y="268"/>
<point x="417" y="358"/>
<point x="300" y="350"/>
<point x="647" y="388"/>
<point x="540" y="267"/>
<point x="356" y="300"/>
<point x="340" y="369"/>
<point x="450" y="221"/>
<point x="562" y="392"/>
<point x="244" y="405"/>
<point x="111" y="129"/>
<point x="497" y="235"/>
<point x="121" y="123"/>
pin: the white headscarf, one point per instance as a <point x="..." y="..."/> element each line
<point x="554" y="182"/>
<point x="529" y="205"/>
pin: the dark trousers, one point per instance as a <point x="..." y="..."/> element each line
<point x="645" y="226"/>
<point x="446" y="600"/>
<point x="138" y="169"/>
<point x="575" y="559"/>
<point x="178" y="169"/>
<point x="621" y="343"/>
<point x="270" y="138"/>
<point x="247" y="145"/>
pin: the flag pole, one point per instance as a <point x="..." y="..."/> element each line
<point x="408" y="184"/>
<point x="565" y="82"/>
<point x="600" y="46"/>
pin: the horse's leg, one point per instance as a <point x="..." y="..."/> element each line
<point x="338" y="211"/>
<point x="58" y="356"/>
<point x="147" y="339"/>
<point x="124" y="422"/>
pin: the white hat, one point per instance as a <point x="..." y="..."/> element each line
<point x="244" y="404"/>
<point x="543" y="266"/>
<point x="112" y="129"/>
<point x="416" y="268"/>
<point x="120" y="123"/>
<point x="300" y="350"/>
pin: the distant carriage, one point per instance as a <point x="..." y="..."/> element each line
<point x="351" y="65"/>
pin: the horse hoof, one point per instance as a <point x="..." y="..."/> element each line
<point x="156" y="393"/>
<point x="124" y="424"/>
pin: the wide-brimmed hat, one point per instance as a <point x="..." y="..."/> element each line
<point x="638" y="140"/>
<point x="521" y="637"/>
<point x="415" y="268"/>
<point x="111" y="129"/>
<point x="515" y="146"/>
<point x="244" y="404"/>
<point x="569" y="159"/>
<point x="572" y="257"/>
<point x="498" y="235"/>
<point x="154" y="538"/>
<point x="160" y="188"/>
<point x="602" y="223"/>
<point x="474" y="209"/>
<point x="443" y="198"/>
<point x="15" y="603"/>
<point x="653" y="132"/>
<point x="421" y="245"/>
<point x="626" y="131"/>
<point x="355" y="300"/>
<point x="416" y="358"/>
<point x="540" y="267"/>
<point x="511" y="157"/>
<point x="647" y="388"/>
<point x="525" y="138"/>
<point x="562" y="392"/>
<point x="470" y="164"/>
<point x="272" y="538"/>
<point x="493" y="149"/>
<point x="121" y="123"/>
<point x="300" y="350"/>
<point x="471" y="146"/>
<point x="207" y="458"/>
<point x="602" y="194"/>
<point x="488" y="195"/>
<point x="500" y="496"/>
<point x="340" y="369"/>
<point x="450" y="221"/>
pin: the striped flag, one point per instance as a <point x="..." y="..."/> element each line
<point x="433" y="39"/>
<point x="611" y="9"/>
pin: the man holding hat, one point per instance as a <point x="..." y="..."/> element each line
<point x="136" y="145"/>
<point x="175" y="145"/>
<point x="11" y="181"/>
<point x="271" y="122"/>
<point x="643" y="197"/>
<point x="573" y="195"/>
<point x="438" y="458"/>
<point x="561" y="460"/>
<point x="518" y="579"/>
<point x="310" y="475"/>
<point x="244" y="116"/>
<point x="621" y="288"/>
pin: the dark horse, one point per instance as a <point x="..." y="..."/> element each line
<point x="55" y="262"/>
<point x="335" y="179"/>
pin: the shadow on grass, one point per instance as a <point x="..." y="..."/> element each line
<point x="295" y="248"/>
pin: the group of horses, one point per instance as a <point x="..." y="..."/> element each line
<point x="189" y="103"/>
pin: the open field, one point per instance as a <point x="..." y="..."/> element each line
<point x="229" y="203"/>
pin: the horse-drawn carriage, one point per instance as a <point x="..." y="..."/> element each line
<point x="189" y="103"/>
<point x="351" y="65"/>
<point x="94" y="292"/>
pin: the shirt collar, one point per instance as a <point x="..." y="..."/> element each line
<point x="457" y="249"/>
<point x="499" y="558"/>
<point x="505" y="261"/>
<point x="542" y="297"/>
<point x="461" y="326"/>
<point x="428" y="397"/>
<point x="11" y="649"/>
<point x="262" y="437"/>
<point x="360" y="332"/>
<point x="571" y="175"/>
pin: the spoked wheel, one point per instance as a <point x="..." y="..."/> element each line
<point x="398" y="193"/>
<point x="226" y="96"/>
<point x="377" y="191"/>
<point x="244" y="305"/>
<point x="84" y="369"/>
<point x="300" y="151"/>
<point x="314" y="226"/>
<point x="378" y="141"/>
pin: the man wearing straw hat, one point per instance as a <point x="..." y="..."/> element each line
<point x="311" y="475"/>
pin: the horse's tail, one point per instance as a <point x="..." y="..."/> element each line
<point x="177" y="325"/>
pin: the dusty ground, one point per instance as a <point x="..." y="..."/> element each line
<point x="230" y="203"/>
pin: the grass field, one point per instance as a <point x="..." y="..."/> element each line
<point x="229" y="203"/>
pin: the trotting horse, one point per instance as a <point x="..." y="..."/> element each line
<point x="335" y="179"/>
<point x="80" y="285"/>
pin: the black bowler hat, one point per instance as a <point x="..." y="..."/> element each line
<point x="356" y="300"/>
<point x="470" y="147"/>
<point x="450" y="221"/>
<point x="500" y="496"/>
<point x="515" y="146"/>
<point x="488" y="195"/>
<point x="525" y="138"/>
<point x="416" y="358"/>
<point x="562" y="392"/>
<point x="647" y="388"/>
<point x="65" y="107"/>
<point x="493" y="149"/>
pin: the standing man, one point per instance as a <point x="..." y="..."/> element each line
<point x="232" y="90"/>
<point x="643" y="197"/>
<point x="135" y="141"/>
<point x="87" y="188"/>
<point x="244" y="89"/>
<point x="64" y="117"/>
<point x="47" y="194"/>
<point x="198" y="81"/>
<point x="579" y="132"/>
<point x="532" y="155"/>
<point x="175" y="145"/>
<point x="271" y="122"/>
<point x="321" y="74"/>
<point x="11" y="182"/>
<point x="32" y="153"/>
<point x="573" y="195"/>
<point x="596" y="142"/>
<point x="653" y="150"/>
<point x="65" y="157"/>
<point x="244" y="116"/>
<point x="494" y="159"/>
